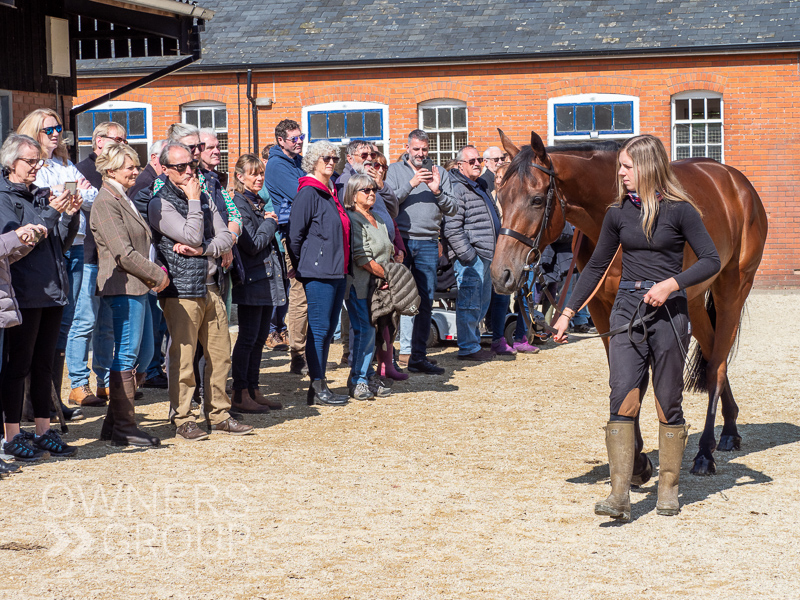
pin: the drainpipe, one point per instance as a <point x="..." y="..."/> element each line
<point x="254" y="110"/>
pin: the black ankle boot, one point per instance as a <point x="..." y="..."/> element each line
<point x="319" y="393"/>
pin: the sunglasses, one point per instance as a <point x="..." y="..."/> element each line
<point x="366" y="155"/>
<point x="201" y="146"/>
<point x="295" y="139"/>
<point x="369" y="190"/>
<point x="33" y="163"/>
<point x="50" y="130"/>
<point x="119" y="140"/>
<point x="181" y="167"/>
<point x="329" y="159"/>
<point x="498" y="159"/>
<point x="472" y="161"/>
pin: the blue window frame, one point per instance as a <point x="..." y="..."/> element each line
<point x="599" y="117"/>
<point x="336" y="125"/>
<point x="134" y="120"/>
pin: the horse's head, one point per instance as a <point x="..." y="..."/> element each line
<point x="523" y="196"/>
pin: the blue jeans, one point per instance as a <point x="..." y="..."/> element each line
<point x="582" y="316"/>
<point x="90" y="324"/>
<point x="362" y="342"/>
<point x="278" y="321"/>
<point x="74" y="261"/>
<point x="129" y="316"/>
<point x="472" y="302"/>
<point x="159" y="331"/>
<point x="325" y="298"/>
<point x="499" y="310"/>
<point x="422" y="258"/>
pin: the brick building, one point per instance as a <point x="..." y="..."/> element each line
<point x="722" y="83"/>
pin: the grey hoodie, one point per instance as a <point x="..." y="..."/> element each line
<point x="421" y="212"/>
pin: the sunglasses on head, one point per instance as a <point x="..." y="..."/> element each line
<point x="472" y="161"/>
<point x="329" y="159"/>
<point x="33" y="163"/>
<point x="50" y="130"/>
<point x="181" y="167"/>
<point x="201" y="146"/>
<point x="369" y="190"/>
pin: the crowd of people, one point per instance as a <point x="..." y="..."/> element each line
<point x="111" y="257"/>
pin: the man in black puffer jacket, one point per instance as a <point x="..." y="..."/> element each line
<point x="471" y="235"/>
<point x="190" y="237"/>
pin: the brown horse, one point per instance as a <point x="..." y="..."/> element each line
<point x="582" y="179"/>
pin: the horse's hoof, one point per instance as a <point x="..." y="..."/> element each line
<point x="645" y="474"/>
<point x="728" y="443"/>
<point x="703" y="465"/>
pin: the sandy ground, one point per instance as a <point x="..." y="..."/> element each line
<point x="478" y="484"/>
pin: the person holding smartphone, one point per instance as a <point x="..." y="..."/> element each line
<point x="425" y="194"/>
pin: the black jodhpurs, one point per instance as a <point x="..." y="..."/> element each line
<point x="30" y="349"/>
<point x="629" y="362"/>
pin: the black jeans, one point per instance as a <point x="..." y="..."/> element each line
<point x="30" y="349"/>
<point x="246" y="357"/>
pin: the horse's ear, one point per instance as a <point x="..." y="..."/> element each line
<point x="508" y="145"/>
<point x="538" y="146"/>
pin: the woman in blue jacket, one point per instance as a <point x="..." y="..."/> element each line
<point x="319" y="248"/>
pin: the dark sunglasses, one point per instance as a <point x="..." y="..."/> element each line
<point x="50" y="130"/>
<point x="495" y="159"/>
<point x="297" y="138"/>
<point x="33" y="163"/>
<point x="329" y="159"/>
<point x="372" y="190"/>
<point x="181" y="167"/>
<point x="472" y="161"/>
<point x="366" y="155"/>
<point x="201" y="146"/>
<point x="119" y="140"/>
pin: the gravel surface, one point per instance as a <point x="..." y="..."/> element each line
<point x="477" y="484"/>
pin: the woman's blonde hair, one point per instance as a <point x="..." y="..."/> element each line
<point x="113" y="158"/>
<point x="246" y="165"/>
<point x="654" y="177"/>
<point x="32" y="126"/>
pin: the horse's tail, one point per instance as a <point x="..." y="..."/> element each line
<point x="696" y="367"/>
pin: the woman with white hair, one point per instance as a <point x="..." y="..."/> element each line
<point x="39" y="282"/>
<point x="319" y="248"/>
<point x="125" y="276"/>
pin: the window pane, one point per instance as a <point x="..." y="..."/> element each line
<point x="220" y="118"/>
<point x="714" y="133"/>
<point x="445" y="118"/>
<point x="461" y="140"/>
<point x="623" y="117"/>
<point x="101" y="117"/>
<point x="445" y="142"/>
<point x="85" y="125"/>
<point x="222" y="138"/>
<point x="191" y="117"/>
<point x="459" y="117"/>
<point x="372" y="124"/>
<point x="715" y="152"/>
<point x="355" y="125"/>
<point x="602" y="117"/>
<point x="583" y="118"/>
<point x="698" y="134"/>
<point x="223" y="148"/>
<point x="682" y="152"/>
<point x="682" y="110"/>
<point x="564" y="119"/>
<point x="698" y="151"/>
<point x="141" y="150"/>
<point x="714" y="108"/>
<point x="206" y="118"/>
<point x="319" y="126"/>
<point x="682" y="134"/>
<point x="136" y="123"/>
<point x="433" y="143"/>
<point x="120" y="117"/>
<point x="429" y="118"/>
<point x="698" y="108"/>
<point x="336" y="125"/>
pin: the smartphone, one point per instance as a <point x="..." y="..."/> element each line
<point x="71" y="187"/>
<point x="427" y="163"/>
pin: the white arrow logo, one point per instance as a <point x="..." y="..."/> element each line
<point x="63" y="540"/>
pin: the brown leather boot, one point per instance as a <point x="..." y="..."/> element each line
<point x="261" y="399"/>
<point x="121" y="400"/>
<point x="620" y="443"/>
<point x="243" y="402"/>
<point x="83" y="396"/>
<point x="671" y="444"/>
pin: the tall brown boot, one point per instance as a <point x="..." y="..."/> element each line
<point x="121" y="392"/>
<point x="671" y="444"/>
<point x="620" y="443"/>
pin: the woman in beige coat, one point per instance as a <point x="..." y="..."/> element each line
<point x="125" y="276"/>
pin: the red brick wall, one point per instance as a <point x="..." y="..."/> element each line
<point x="23" y="103"/>
<point x="760" y="94"/>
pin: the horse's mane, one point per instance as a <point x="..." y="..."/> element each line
<point x="521" y="164"/>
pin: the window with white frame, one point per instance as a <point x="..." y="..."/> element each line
<point x="341" y="122"/>
<point x="587" y="117"/>
<point x="445" y="122"/>
<point x="134" y="117"/>
<point x="6" y="121"/>
<point x="210" y="115"/>
<point x="697" y="125"/>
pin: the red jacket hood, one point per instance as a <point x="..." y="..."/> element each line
<point x="308" y="180"/>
